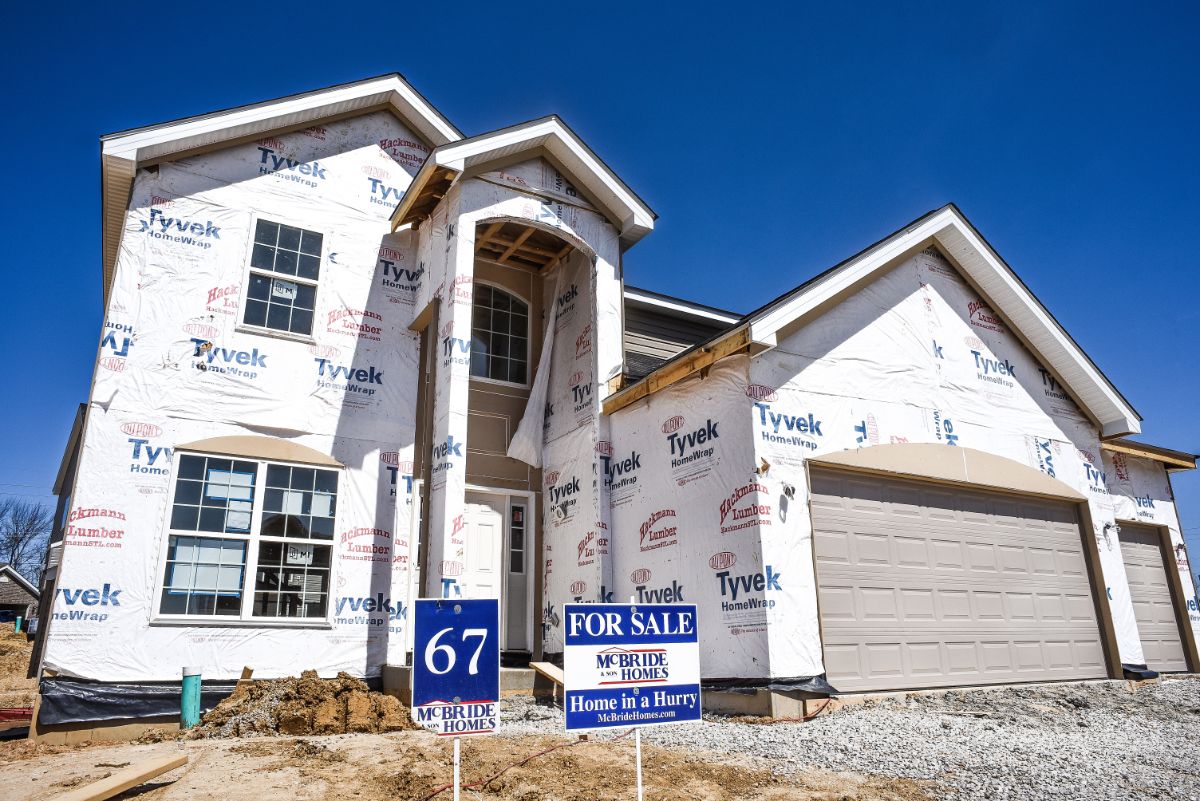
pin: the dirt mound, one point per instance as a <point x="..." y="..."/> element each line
<point x="15" y="689"/>
<point x="307" y="705"/>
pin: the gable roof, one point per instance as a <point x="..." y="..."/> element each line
<point x="548" y="137"/>
<point x="19" y="579"/>
<point x="970" y="253"/>
<point x="122" y="153"/>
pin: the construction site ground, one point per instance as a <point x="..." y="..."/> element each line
<point x="1106" y="739"/>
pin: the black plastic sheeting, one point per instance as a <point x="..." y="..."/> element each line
<point x="1138" y="672"/>
<point x="83" y="701"/>
<point x="808" y="684"/>
<point x="78" y="701"/>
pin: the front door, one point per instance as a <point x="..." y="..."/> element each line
<point x="496" y="564"/>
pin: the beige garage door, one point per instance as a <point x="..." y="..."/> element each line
<point x="923" y="585"/>
<point x="1141" y="547"/>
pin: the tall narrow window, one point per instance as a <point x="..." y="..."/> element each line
<point x="499" y="335"/>
<point x="249" y="539"/>
<point x="285" y="265"/>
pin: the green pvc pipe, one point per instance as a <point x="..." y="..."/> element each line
<point x="189" y="714"/>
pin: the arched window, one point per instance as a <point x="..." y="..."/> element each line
<point x="499" y="335"/>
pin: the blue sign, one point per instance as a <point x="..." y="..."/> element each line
<point x="630" y="665"/>
<point x="456" y="665"/>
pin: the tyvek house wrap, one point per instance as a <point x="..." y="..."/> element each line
<point x="915" y="356"/>
<point x="584" y="294"/>
<point x="175" y="367"/>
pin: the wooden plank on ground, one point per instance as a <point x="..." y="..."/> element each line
<point x="122" y="780"/>
<point x="548" y="670"/>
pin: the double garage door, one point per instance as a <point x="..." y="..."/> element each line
<point x="922" y="585"/>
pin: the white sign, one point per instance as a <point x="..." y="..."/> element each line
<point x="630" y="665"/>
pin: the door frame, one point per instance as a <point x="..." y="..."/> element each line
<point x="1178" y="600"/>
<point x="527" y="498"/>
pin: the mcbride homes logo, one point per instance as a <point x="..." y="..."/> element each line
<point x="658" y="531"/>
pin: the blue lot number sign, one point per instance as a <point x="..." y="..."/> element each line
<point x="456" y="665"/>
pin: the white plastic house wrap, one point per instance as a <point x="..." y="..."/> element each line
<point x="174" y="368"/>
<point x="913" y="357"/>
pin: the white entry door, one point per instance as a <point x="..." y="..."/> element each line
<point x="482" y="572"/>
<point x="497" y="562"/>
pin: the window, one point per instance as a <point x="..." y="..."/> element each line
<point x="228" y="514"/>
<point x="285" y="264"/>
<point x="516" y="540"/>
<point x="499" y="335"/>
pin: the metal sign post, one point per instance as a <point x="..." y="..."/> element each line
<point x="630" y="665"/>
<point x="456" y="669"/>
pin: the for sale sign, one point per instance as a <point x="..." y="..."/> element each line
<point x="456" y="665"/>
<point x="630" y="665"/>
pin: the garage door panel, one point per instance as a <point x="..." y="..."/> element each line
<point x="943" y="586"/>
<point x="1150" y="591"/>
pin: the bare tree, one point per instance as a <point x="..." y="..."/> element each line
<point x="24" y="531"/>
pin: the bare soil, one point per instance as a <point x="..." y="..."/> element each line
<point x="15" y="689"/>
<point x="416" y="765"/>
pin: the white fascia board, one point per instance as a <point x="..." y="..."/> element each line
<point x="161" y="140"/>
<point x="682" y="308"/>
<point x="1001" y="287"/>
<point x="635" y="219"/>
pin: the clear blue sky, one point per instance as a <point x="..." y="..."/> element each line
<point x="772" y="142"/>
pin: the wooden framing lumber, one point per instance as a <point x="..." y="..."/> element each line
<point x="1174" y="460"/>
<point x="124" y="779"/>
<point x="550" y="671"/>
<point x="680" y="368"/>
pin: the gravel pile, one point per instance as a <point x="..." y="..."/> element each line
<point x="1064" y="741"/>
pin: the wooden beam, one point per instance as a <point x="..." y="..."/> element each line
<point x="491" y="230"/>
<point x="680" y="368"/>
<point x="528" y="232"/>
<point x="1172" y="459"/>
<point x="122" y="780"/>
<point x="549" y="671"/>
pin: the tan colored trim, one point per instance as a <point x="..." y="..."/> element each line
<point x="261" y="448"/>
<point x="1108" y="629"/>
<point x="679" y="369"/>
<point x="1177" y="460"/>
<point x="950" y="465"/>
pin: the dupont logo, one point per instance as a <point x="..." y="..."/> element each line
<point x="722" y="560"/>
<point x="673" y="424"/>
<point x="974" y="343"/>
<point x="576" y="378"/>
<point x="578" y="587"/>
<point x="113" y="363"/>
<point x="114" y="347"/>
<point x="324" y="351"/>
<point x="141" y="429"/>
<point x="604" y="448"/>
<point x="640" y="576"/>
<point x="761" y="392"/>
<point x="371" y="171"/>
<point x="201" y="330"/>
<point x="551" y="478"/>
<point x="390" y="458"/>
<point x="451" y="568"/>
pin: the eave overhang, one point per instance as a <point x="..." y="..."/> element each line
<point x="548" y="137"/>
<point x="1172" y="460"/>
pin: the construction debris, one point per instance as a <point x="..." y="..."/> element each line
<point x="123" y="780"/>
<point x="307" y="705"/>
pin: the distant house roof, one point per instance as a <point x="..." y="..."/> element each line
<point x="17" y="590"/>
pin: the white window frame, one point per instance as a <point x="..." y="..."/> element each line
<point x="245" y="618"/>
<point x="241" y="325"/>
<point x="529" y="366"/>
